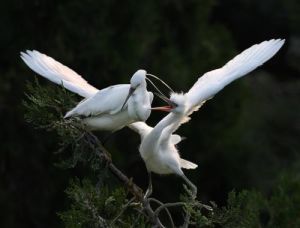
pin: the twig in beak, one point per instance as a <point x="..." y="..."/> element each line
<point x="157" y="78"/>
<point x="157" y="89"/>
<point x="165" y="99"/>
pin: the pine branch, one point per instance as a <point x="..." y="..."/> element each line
<point x="104" y="154"/>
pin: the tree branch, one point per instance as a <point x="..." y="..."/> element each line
<point x="130" y="185"/>
<point x="166" y="209"/>
<point x="104" y="154"/>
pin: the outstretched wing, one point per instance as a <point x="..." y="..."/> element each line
<point x="105" y="101"/>
<point x="58" y="73"/>
<point x="214" y="81"/>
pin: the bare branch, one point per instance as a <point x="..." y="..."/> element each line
<point x="130" y="185"/>
<point x="166" y="209"/>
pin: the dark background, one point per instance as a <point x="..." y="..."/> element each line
<point x="242" y="139"/>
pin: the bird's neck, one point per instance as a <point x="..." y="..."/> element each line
<point x="138" y="104"/>
<point x="170" y="119"/>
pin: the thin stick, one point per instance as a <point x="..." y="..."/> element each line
<point x="157" y="78"/>
<point x="157" y="89"/>
<point x="166" y="209"/>
<point x="122" y="211"/>
<point x="177" y="204"/>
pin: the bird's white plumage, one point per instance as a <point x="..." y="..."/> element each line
<point x="214" y="81"/>
<point x="210" y="84"/>
<point x="158" y="149"/>
<point x="141" y="128"/>
<point x="158" y="144"/>
<point x="102" y="109"/>
<point x="105" y="101"/>
<point x="58" y="73"/>
<point x="144" y="129"/>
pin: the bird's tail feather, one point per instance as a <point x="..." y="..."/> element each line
<point x="187" y="164"/>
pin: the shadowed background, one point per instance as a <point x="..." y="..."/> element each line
<point x="242" y="139"/>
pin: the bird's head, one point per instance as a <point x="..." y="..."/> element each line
<point x="138" y="79"/>
<point x="176" y="104"/>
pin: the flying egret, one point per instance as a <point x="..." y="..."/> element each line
<point x="158" y="144"/>
<point x="108" y="109"/>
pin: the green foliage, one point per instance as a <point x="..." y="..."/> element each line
<point x="284" y="204"/>
<point x="45" y="108"/>
<point x="92" y="206"/>
<point x="99" y="207"/>
<point x="243" y="210"/>
<point x="45" y="105"/>
<point x="247" y="209"/>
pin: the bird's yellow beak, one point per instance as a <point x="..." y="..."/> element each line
<point x="131" y="90"/>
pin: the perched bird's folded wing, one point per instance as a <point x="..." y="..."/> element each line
<point x="105" y="101"/>
<point x="58" y="73"/>
<point x="214" y="81"/>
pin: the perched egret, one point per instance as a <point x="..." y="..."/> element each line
<point x="109" y="109"/>
<point x="157" y="146"/>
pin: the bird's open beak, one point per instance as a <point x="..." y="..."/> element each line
<point x="163" y="108"/>
<point x="167" y="108"/>
<point x="131" y="90"/>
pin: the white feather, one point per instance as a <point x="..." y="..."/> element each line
<point x="58" y="73"/>
<point x="214" y="81"/>
<point x="102" y="109"/>
<point x="141" y="128"/>
<point x="105" y="101"/>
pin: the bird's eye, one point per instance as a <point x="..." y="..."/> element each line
<point x="173" y="104"/>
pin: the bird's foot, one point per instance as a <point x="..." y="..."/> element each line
<point x="192" y="192"/>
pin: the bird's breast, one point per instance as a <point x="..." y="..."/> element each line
<point x="139" y="106"/>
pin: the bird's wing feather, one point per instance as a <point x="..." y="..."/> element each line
<point x="167" y="135"/>
<point x="141" y="128"/>
<point x="175" y="139"/>
<point x="105" y="101"/>
<point x="214" y="81"/>
<point x="58" y="73"/>
<point x="144" y="129"/>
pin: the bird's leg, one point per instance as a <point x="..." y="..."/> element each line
<point x="194" y="193"/>
<point x="192" y="186"/>
<point x="149" y="189"/>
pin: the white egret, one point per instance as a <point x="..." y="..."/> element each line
<point x="108" y="109"/>
<point x="157" y="147"/>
